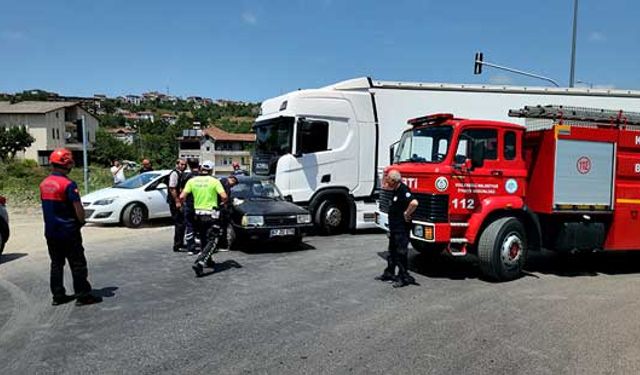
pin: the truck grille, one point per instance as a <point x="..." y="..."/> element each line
<point x="433" y="208"/>
<point x="274" y="221"/>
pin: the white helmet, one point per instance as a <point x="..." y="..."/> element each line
<point x="207" y="165"/>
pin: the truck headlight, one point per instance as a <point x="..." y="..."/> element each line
<point x="104" y="202"/>
<point x="304" y="219"/>
<point x="252" y="221"/>
<point x="418" y="231"/>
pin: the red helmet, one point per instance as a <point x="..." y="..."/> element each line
<point x="61" y="157"/>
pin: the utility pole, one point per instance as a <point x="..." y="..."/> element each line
<point x="85" y="161"/>
<point x="573" y="43"/>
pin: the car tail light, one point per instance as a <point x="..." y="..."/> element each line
<point x="3" y="200"/>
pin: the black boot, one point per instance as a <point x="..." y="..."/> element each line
<point x="61" y="300"/>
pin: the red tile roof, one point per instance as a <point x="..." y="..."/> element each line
<point x="221" y="135"/>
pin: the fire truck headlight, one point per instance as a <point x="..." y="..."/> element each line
<point x="428" y="233"/>
<point x="418" y="231"/>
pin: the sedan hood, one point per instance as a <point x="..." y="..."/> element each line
<point x="107" y="193"/>
<point x="269" y="207"/>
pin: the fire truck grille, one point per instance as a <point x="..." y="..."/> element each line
<point x="433" y="208"/>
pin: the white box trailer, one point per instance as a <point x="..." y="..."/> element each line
<point x="326" y="147"/>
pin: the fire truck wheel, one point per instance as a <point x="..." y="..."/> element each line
<point x="502" y="249"/>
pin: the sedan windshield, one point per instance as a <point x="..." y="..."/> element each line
<point x="137" y="181"/>
<point x="427" y="145"/>
<point x="256" y="189"/>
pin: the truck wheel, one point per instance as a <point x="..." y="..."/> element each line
<point x="426" y="248"/>
<point x="330" y="217"/>
<point x="133" y="215"/>
<point x="502" y="249"/>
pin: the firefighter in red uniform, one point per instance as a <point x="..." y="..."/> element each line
<point x="63" y="218"/>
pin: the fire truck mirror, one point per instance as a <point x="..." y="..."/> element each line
<point x="477" y="155"/>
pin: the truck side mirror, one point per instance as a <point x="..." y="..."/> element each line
<point x="477" y="155"/>
<point x="392" y="151"/>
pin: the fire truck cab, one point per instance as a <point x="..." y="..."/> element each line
<point x="569" y="180"/>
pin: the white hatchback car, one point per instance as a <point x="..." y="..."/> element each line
<point x="131" y="202"/>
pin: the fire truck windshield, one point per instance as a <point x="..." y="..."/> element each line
<point x="424" y="145"/>
<point x="275" y="136"/>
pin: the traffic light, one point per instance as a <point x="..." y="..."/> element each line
<point x="477" y="67"/>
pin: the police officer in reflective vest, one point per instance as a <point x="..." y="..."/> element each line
<point x="205" y="190"/>
<point x="401" y="210"/>
<point x="63" y="218"/>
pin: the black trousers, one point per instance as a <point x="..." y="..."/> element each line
<point x="189" y="229"/>
<point x="398" y="255"/>
<point x="179" y="225"/>
<point x="208" y="231"/>
<point x="68" y="249"/>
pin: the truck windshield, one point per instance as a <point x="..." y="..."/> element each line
<point x="428" y="145"/>
<point x="274" y="136"/>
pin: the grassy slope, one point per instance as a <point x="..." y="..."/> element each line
<point x="19" y="182"/>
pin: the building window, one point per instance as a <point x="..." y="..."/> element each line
<point x="208" y="148"/>
<point x="43" y="157"/>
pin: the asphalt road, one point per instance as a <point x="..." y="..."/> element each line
<point x="317" y="311"/>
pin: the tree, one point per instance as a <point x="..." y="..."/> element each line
<point x="108" y="148"/>
<point x="13" y="140"/>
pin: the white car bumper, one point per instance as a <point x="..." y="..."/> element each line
<point x="109" y="214"/>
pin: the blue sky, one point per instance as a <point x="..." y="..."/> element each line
<point x="252" y="50"/>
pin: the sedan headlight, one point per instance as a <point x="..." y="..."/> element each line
<point x="252" y="221"/>
<point x="304" y="219"/>
<point x="104" y="202"/>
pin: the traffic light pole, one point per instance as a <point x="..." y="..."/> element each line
<point x="85" y="161"/>
<point x="479" y="63"/>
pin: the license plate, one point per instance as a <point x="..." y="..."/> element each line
<point x="283" y="232"/>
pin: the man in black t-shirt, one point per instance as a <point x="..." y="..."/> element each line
<point x="401" y="209"/>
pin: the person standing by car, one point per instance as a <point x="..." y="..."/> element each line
<point x="225" y="210"/>
<point x="401" y="209"/>
<point x="174" y="195"/>
<point x="146" y="166"/>
<point x="205" y="190"/>
<point x="117" y="171"/>
<point x="187" y="204"/>
<point x="63" y="218"/>
<point x="237" y="171"/>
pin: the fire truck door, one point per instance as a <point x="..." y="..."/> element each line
<point x="475" y="184"/>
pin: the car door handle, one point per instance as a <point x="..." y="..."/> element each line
<point x="496" y="173"/>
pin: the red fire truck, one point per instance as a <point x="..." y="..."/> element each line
<point x="569" y="180"/>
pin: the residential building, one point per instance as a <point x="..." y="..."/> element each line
<point x="222" y="147"/>
<point x="125" y="135"/>
<point x="133" y="99"/>
<point x="169" y="118"/>
<point x="146" y="115"/>
<point x="52" y="124"/>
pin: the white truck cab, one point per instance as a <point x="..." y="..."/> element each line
<point x="317" y="144"/>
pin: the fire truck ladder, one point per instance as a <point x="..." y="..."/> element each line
<point x="577" y="115"/>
